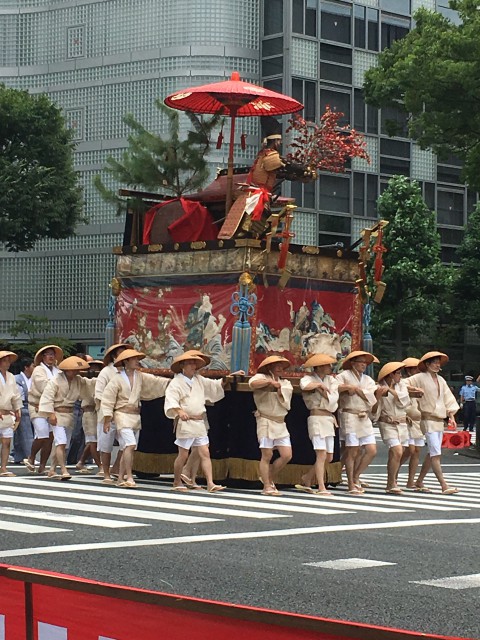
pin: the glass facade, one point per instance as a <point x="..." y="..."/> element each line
<point x="101" y="59"/>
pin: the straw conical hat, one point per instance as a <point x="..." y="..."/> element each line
<point x="74" y="363"/>
<point x="200" y="354"/>
<point x="99" y="362"/>
<point x="58" y="353"/>
<point x="108" y="355"/>
<point x="389" y="368"/>
<point x="176" y="365"/>
<point x="319" y="359"/>
<point x="272" y="360"/>
<point x="9" y="354"/>
<point x="411" y="363"/>
<point x="347" y="363"/>
<point x="432" y="354"/>
<point x="127" y="354"/>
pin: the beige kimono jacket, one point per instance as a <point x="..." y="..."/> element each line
<point x="435" y="402"/>
<point x="59" y="396"/>
<point x="40" y="376"/>
<point x="391" y="414"/>
<point x="10" y="400"/>
<point x="121" y="402"/>
<point x="89" y="415"/>
<point x="320" y="425"/>
<point x="272" y="408"/>
<point x="191" y="398"/>
<point x="413" y="419"/>
<point x="354" y="411"/>
<point x="104" y="377"/>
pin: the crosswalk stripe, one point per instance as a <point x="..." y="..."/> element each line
<point x="139" y="502"/>
<point x="104" y="510"/>
<point x="254" y="500"/>
<point x="68" y="518"/>
<point x="19" y="527"/>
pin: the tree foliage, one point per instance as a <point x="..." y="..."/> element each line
<point x="467" y="284"/>
<point x="39" y="194"/>
<point x="433" y="75"/>
<point x="417" y="282"/>
<point x="167" y="164"/>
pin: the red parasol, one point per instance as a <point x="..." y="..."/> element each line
<point x="233" y="98"/>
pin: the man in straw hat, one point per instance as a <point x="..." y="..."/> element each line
<point x="105" y="441"/>
<point x="320" y="394"/>
<point x="89" y="420"/>
<point x="391" y="417"/>
<point x="121" y="404"/>
<point x="358" y="396"/>
<point x="46" y="360"/>
<point x="185" y="401"/>
<point x="10" y="412"/>
<point x="57" y="404"/>
<point x="436" y="405"/>
<point x="272" y="395"/>
<point x="416" y="439"/>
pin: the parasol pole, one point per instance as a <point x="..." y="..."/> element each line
<point x="229" y="198"/>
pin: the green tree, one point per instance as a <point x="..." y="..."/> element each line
<point x="165" y="164"/>
<point x="433" y="75"/>
<point x="33" y="327"/>
<point x="417" y="282"/>
<point x="39" y="193"/>
<point x="467" y="285"/>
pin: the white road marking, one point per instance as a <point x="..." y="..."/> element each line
<point x="225" y="537"/>
<point x="51" y="632"/>
<point x="139" y="502"/>
<point x="2" y="627"/>
<point x="19" y="527"/>
<point x="105" y="510"/>
<point x="455" y="582"/>
<point x="345" y="564"/>
<point x="68" y="518"/>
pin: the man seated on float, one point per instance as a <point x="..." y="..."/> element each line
<point x="268" y="161"/>
<point x="185" y="401"/>
<point x="320" y="394"/>
<point x="272" y="395"/>
<point x="121" y="404"/>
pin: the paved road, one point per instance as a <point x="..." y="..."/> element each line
<point x="410" y="561"/>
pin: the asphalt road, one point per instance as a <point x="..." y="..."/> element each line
<point x="409" y="562"/>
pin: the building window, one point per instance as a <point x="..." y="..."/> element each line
<point x="393" y="28"/>
<point x="337" y="101"/>
<point x="272" y="66"/>
<point x="394" y="120"/>
<point x="272" y="17"/>
<point x="335" y="193"/>
<point x="274" y="85"/>
<point x="304" y="194"/>
<point x="450" y="208"/>
<point x="304" y="17"/>
<point x="272" y="47"/>
<point x="365" y="195"/>
<point x="336" y="22"/>
<point x="365" y="28"/>
<point x="75" y="119"/>
<point x="401" y="7"/>
<point x="76" y="41"/>
<point x="305" y="91"/>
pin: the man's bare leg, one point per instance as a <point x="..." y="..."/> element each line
<point x="45" y="451"/>
<point x="413" y="465"/>
<point x="190" y="470"/>
<point x="126" y="465"/>
<point x="351" y="454"/>
<point x="322" y="458"/>
<point x="264" y="467"/>
<point x="5" y="443"/>
<point x="361" y="464"/>
<point x="178" y="465"/>
<point x="393" y="465"/>
<point x="284" y="457"/>
<point x="426" y="466"/>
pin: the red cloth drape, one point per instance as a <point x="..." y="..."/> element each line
<point x="197" y="223"/>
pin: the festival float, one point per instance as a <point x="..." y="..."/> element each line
<point x="217" y="271"/>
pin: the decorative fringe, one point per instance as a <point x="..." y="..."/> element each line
<point x="236" y="468"/>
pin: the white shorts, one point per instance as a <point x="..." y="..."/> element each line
<point x="188" y="443"/>
<point x="6" y="432"/>
<point x="417" y="442"/>
<point x="273" y="443"/>
<point x="62" y="435"/>
<point x="434" y="443"/>
<point x="352" y="440"/>
<point x="128" y="438"/>
<point x="105" y="440"/>
<point x="41" y="428"/>
<point x="395" y="442"/>
<point x="90" y="438"/>
<point x="323" y="444"/>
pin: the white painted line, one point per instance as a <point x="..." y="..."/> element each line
<point x="411" y="503"/>
<point x="68" y="518"/>
<point x="2" y="627"/>
<point x="105" y="510"/>
<point x="51" y="632"/>
<point x="138" y="503"/>
<point x="6" y="525"/>
<point x="225" y="537"/>
<point x="455" y="582"/>
<point x="345" y="564"/>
